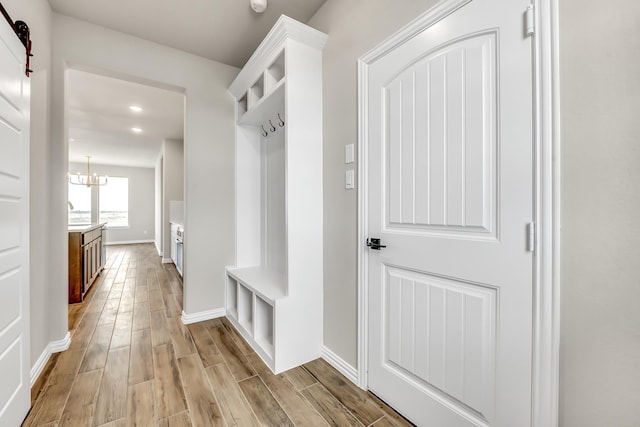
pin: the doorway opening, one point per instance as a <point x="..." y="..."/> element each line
<point x="128" y="136"/>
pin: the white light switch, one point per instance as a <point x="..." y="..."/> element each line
<point x="349" y="180"/>
<point x="348" y="153"/>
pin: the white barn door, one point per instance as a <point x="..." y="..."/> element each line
<point x="449" y="144"/>
<point x="14" y="230"/>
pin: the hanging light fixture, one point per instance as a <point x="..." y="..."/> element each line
<point x="88" y="180"/>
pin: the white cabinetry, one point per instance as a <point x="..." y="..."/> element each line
<point x="274" y="293"/>
<point x="174" y="242"/>
<point x="177" y="245"/>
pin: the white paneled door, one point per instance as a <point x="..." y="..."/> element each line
<point x="14" y="230"/>
<point x="449" y="144"/>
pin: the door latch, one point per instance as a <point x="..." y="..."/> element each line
<point x="374" y="243"/>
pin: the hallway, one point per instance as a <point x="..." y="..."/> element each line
<point x="133" y="362"/>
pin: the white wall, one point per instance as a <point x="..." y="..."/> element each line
<point x="141" y="201"/>
<point x="600" y="105"/>
<point x="38" y="16"/>
<point x="354" y="27"/>
<point x="158" y="206"/>
<point x="172" y="186"/>
<point x="208" y="150"/>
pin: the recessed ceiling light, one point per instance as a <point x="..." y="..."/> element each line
<point x="136" y="130"/>
<point x="135" y="108"/>
<point x="71" y="139"/>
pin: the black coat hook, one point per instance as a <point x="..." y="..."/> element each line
<point x="273" y="128"/>
<point x="264" y="132"/>
<point x="281" y="122"/>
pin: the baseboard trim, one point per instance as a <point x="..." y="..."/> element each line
<point x="52" y="347"/>
<point x="36" y="369"/>
<point x="62" y="345"/>
<point x="128" y="242"/>
<point x="167" y="260"/>
<point x="203" y="315"/>
<point x="340" y="365"/>
<point x="160" y="253"/>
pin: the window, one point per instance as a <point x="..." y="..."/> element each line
<point x="79" y="204"/>
<point x="114" y="202"/>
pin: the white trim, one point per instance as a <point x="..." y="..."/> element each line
<point x="52" y="347"/>
<point x="61" y="345"/>
<point x="127" y="242"/>
<point x="167" y="260"/>
<point x="441" y="10"/>
<point x="160" y="253"/>
<point x="340" y="365"/>
<point x="363" y="224"/>
<point x="546" y="353"/>
<point x="203" y="315"/>
<point x="37" y="368"/>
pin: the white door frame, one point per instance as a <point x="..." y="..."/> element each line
<point x="546" y="310"/>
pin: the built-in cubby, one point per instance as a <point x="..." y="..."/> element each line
<point x="275" y="72"/>
<point x="264" y="325"/>
<point x="245" y="307"/>
<point x="232" y="297"/>
<point x="274" y="292"/>
<point x="256" y="92"/>
<point x="242" y="106"/>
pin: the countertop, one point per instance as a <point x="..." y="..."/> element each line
<point x="82" y="228"/>
<point x="178" y="223"/>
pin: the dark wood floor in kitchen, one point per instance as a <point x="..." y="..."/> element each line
<point x="133" y="363"/>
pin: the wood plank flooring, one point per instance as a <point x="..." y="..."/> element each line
<point x="133" y="363"/>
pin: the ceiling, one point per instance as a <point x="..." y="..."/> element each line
<point x="100" y="120"/>
<point x="227" y="31"/>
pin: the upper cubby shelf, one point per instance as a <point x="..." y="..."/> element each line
<point x="264" y="75"/>
<point x="263" y="109"/>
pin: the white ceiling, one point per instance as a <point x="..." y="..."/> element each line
<point x="227" y="31"/>
<point x="100" y="120"/>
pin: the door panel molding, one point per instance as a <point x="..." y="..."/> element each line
<point x="462" y="199"/>
<point x="462" y="315"/>
<point x="547" y="199"/>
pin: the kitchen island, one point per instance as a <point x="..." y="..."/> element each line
<point x="86" y="258"/>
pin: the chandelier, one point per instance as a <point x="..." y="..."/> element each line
<point x="88" y="180"/>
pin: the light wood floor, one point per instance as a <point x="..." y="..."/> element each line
<point x="133" y="363"/>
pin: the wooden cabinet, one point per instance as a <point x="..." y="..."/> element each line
<point x="85" y="260"/>
<point x="274" y="292"/>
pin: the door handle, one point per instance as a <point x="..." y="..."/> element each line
<point x="374" y="243"/>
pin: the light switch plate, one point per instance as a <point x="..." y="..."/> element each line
<point x="349" y="180"/>
<point x="349" y="153"/>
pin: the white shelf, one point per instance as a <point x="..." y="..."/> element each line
<point x="268" y="284"/>
<point x="265" y="108"/>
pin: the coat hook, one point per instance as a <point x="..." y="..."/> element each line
<point x="273" y="128"/>
<point x="264" y="132"/>
<point x="281" y="122"/>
